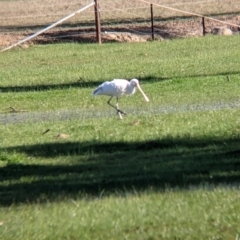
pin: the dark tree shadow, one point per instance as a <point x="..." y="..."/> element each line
<point x="46" y="87"/>
<point x="119" y="167"/>
<point x="81" y="83"/>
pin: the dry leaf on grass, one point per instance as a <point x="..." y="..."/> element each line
<point x="62" y="135"/>
<point x="136" y="123"/>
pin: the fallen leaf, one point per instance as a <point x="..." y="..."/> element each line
<point x="62" y="135"/>
<point x="136" y="123"/>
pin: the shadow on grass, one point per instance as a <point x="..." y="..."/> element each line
<point x="81" y="83"/>
<point x="78" y="84"/>
<point x="92" y="168"/>
<point x="47" y="87"/>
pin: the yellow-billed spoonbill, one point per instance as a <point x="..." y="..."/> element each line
<point x="117" y="88"/>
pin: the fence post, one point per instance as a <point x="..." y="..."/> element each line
<point x="152" y="21"/>
<point x="203" y="26"/>
<point x="97" y="22"/>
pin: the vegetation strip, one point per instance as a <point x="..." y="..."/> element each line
<point x="78" y="114"/>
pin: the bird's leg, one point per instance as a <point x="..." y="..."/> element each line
<point x="118" y="110"/>
<point x="110" y="103"/>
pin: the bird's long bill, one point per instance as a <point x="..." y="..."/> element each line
<point x="141" y="91"/>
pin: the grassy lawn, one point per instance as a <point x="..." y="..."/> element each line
<point x="169" y="170"/>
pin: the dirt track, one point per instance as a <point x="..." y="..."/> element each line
<point x="121" y="33"/>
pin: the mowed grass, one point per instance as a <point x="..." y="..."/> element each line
<point x="65" y="75"/>
<point x="194" y="214"/>
<point x="169" y="170"/>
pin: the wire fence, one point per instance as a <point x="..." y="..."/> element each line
<point x="121" y="20"/>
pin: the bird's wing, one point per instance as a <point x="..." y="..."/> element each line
<point x="116" y="87"/>
<point x="120" y="85"/>
<point x="99" y="89"/>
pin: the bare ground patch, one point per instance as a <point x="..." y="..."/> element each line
<point x="170" y="29"/>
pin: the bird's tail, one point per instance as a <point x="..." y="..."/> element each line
<point x="96" y="91"/>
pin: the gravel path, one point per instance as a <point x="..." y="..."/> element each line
<point x="64" y="115"/>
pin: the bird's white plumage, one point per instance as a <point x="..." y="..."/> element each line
<point x="117" y="88"/>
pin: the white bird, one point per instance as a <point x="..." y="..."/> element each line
<point x="117" y="88"/>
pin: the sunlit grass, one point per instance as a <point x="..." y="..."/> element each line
<point x="197" y="124"/>
<point x="63" y="76"/>
<point x="211" y="214"/>
<point x="66" y="63"/>
<point x="168" y="170"/>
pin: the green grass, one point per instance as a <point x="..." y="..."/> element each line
<point x="169" y="170"/>
<point x="162" y="215"/>
<point x="46" y="75"/>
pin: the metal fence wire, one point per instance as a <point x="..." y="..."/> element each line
<point x="120" y="20"/>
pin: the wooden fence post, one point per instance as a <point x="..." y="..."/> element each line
<point x="203" y="26"/>
<point x="152" y="21"/>
<point x="97" y="22"/>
